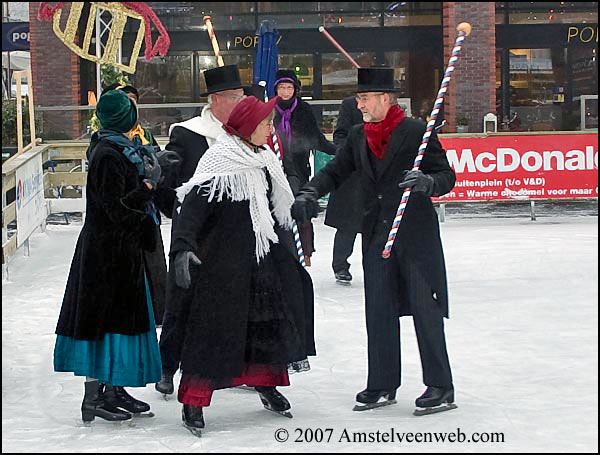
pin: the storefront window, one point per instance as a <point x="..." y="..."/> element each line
<point x="164" y="80"/>
<point x="340" y="76"/>
<point x="399" y="14"/>
<point x="547" y="12"/>
<point x="538" y="87"/>
<point x="188" y="16"/>
<point x="244" y="62"/>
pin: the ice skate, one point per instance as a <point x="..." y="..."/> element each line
<point x="119" y="398"/>
<point x="435" y="399"/>
<point x="371" y="399"/>
<point x="193" y="419"/>
<point x="274" y="401"/>
<point x="343" y="277"/>
<point x="165" y="385"/>
<point x="94" y="405"/>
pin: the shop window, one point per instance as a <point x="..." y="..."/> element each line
<point x="164" y="80"/>
<point x="244" y="62"/>
<point x="538" y="87"/>
<point x="340" y="76"/>
<point x="399" y="14"/>
<point x="187" y="16"/>
<point x="551" y="12"/>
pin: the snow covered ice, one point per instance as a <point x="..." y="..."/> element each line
<point x="522" y="339"/>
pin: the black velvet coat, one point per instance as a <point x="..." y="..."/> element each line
<point x="306" y="136"/>
<point x="345" y="206"/>
<point x="418" y="236"/>
<point x="214" y="313"/>
<point x="105" y="291"/>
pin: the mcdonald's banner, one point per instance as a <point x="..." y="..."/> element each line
<point x="561" y="166"/>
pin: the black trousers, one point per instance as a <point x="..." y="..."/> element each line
<point x="386" y="282"/>
<point x="343" y="244"/>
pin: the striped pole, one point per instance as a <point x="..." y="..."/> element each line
<point x="464" y="29"/>
<point x="295" y="230"/>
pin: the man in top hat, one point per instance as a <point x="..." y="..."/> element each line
<point x="297" y="127"/>
<point x="188" y="141"/>
<point x="413" y="280"/>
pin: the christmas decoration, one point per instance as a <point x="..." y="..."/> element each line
<point x="120" y="11"/>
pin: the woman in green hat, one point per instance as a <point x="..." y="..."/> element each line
<point x="106" y="329"/>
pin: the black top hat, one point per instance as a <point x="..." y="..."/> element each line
<point x="285" y="75"/>
<point x="376" y="80"/>
<point x="222" y="78"/>
<point x="255" y="90"/>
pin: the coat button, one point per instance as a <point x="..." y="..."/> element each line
<point x="385" y="222"/>
<point x="379" y="196"/>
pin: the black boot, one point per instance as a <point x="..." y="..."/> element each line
<point x="117" y="396"/>
<point x="165" y="385"/>
<point x="435" y="396"/>
<point x="273" y="400"/>
<point x="94" y="406"/>
<point x="193" y="419"/>
<point x="343" y="277"/>
<point x="371" y="399"/>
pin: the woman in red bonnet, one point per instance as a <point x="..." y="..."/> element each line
<point x="249" y="315"/>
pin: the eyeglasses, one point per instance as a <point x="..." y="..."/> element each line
<point x="235" y="98"/>
<point x="365" y="98"/>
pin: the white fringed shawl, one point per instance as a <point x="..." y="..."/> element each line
<point x="231" y="168"/>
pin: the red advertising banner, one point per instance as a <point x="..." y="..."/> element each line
<point x="523" y="167"/>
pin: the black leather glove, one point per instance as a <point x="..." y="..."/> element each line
<point x="152" y="169"/>
<point x="306" y="205"/>
<point x="418" y="182"/>
<point x="182" y="268"/>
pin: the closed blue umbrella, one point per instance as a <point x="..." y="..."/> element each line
<point x="265" y="63"/>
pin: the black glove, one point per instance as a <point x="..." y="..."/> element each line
<point x="418" y="182"/>
<point x="306" y="205"/>
<point x="182" y="268"/>
<point x="152" y="169"/>
<point x="168" y="158"/>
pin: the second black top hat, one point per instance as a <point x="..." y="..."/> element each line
<point x="222" y="78"/>
<point x="376" y="80"/>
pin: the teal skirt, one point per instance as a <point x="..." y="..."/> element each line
<point x="120" y="360"/>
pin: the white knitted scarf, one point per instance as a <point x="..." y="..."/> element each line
<point x="231" y="168"/>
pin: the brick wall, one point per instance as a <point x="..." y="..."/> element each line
<point x="55" y="74"/>
<point x="472" y="90"/>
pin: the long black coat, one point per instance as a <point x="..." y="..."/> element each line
<point x="418" y="236"/>
<point x="306" y="136"/>
<point x="345" y="206"/>
<point x="105" y="290"/>
<point x="190" y="147"/>
<point x="214" y="313"/>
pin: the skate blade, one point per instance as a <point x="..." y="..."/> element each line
<point x="245" y="387"/>
<point x="366" y="407"/>
<point x="286" y="413"/>
<point x="195" y="431"/>
<point x="343" y="283"/>
<point x="426" y="411"/>
<point x="143" y="415"/>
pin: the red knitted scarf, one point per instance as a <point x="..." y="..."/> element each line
<point x="378" y="134"/>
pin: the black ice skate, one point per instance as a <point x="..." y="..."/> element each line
<point x="435" y="399"/>
<point x="119" y="398"/>
<point x="193" y="419"/>
<point x="165" y="385"/>
<point x="274" y="401"/>
<point x="94" y="405"/>
<point x="343" y="277"/>
<point x="371" y="399"/>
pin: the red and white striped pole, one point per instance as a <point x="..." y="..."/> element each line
<point x="464" y="29"/>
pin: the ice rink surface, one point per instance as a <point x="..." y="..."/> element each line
<point x="522" y="339"/>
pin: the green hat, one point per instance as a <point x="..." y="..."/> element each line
<point x="116" y="111"/>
